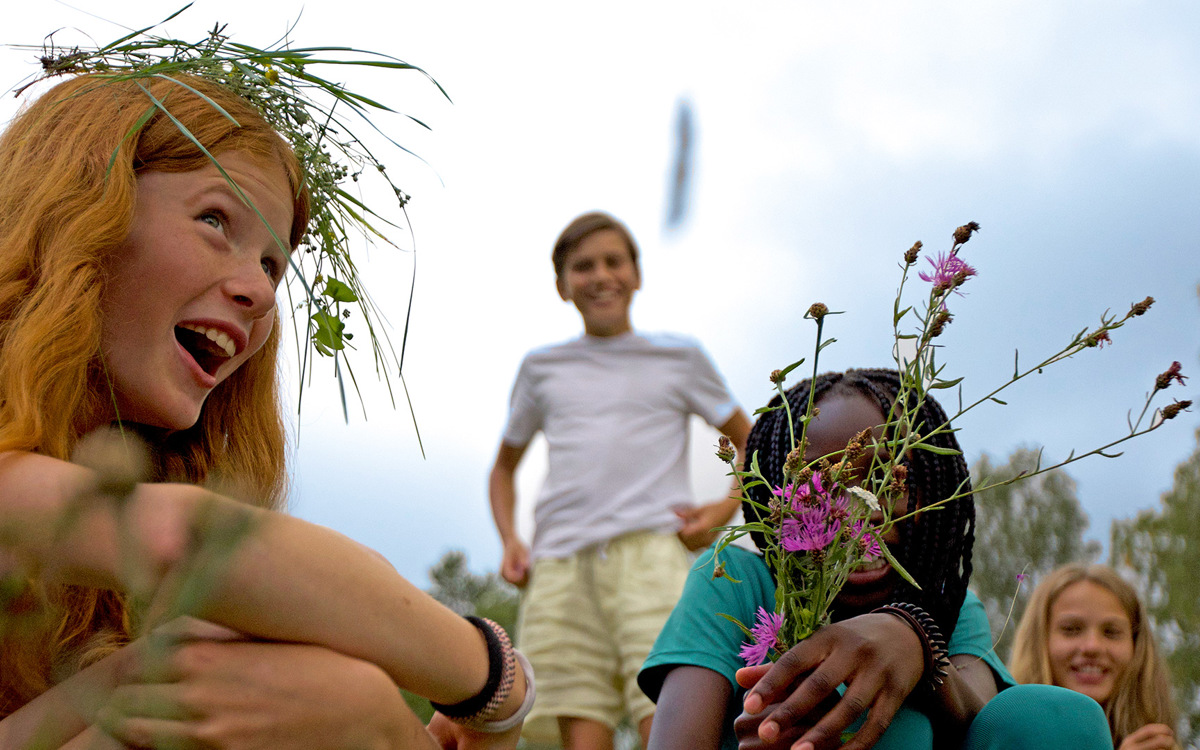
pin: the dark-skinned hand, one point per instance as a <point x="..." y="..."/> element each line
<point x="877" y="656"/>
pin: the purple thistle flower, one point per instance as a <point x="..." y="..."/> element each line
<point x="949" y="271"/>
<point x="806" y="494"/>
<point x="809" y="534"/>
<point x="868" y="541"/>
<point x="837" y="508"/>
<point x="765" y="634"/>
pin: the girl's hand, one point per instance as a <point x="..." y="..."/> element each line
<point x="246" y="695"/>
<point x="746" y="727"/>
<point x="877" y="656"/>
<point x="452" y="736"/>
<point x="1150" y="737"/>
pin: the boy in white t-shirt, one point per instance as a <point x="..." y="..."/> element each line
<point x="615" y="514"/>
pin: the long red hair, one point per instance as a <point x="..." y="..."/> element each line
<point x="68" y="175"/>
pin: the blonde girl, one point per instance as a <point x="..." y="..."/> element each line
<point x="1086" y="629"/>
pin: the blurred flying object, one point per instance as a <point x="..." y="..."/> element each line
<point x="679" y="187"/>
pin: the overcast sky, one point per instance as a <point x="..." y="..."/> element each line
<point x="827" y="138"/>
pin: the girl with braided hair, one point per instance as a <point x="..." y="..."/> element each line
<point x="138" y="272"/>
<point x="887" y="637"/>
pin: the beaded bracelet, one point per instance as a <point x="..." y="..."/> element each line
<point x="933" y="645"/>
<point x="502" y="665"/>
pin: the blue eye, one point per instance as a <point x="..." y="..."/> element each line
<point x="271" y="268"/>
<point x="215" y="219"/>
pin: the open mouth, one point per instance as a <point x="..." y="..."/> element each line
<point x="208" y="346"/>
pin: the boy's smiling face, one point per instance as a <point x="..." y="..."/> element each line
<point x="600" y="277"/>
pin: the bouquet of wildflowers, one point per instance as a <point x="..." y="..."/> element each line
<point x="829" y="517"/>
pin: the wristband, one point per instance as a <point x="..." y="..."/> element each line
<point x="501" y="672"/>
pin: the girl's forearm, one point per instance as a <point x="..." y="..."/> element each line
<point x="62" y="714"/>
<point x="190" y="551"/>
<point x="969" y="684"/>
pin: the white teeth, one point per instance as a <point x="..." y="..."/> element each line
<point x="220" y="338"/>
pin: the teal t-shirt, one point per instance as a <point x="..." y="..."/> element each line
<point x="696" y="635"/>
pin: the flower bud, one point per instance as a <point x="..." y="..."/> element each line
<point x="939" y="324"/>
<point x="791" y="464"/>
<point x="817" y="311"/>
<point x="857" y="446"/>
<point x="1172" y="373"/>
<point x="718" y="571"/>
<point x="1140" y="308"/>
<point x="963" y="233"/>
<point x="804" y="476"/>
<point x="1170" y="411"/>
<point x="899" y="477"/>
<point x="777" y="376"/>
<point x="910" y="255"/>
<point x="1097" y="338"/>
<point x="725" y="450"/>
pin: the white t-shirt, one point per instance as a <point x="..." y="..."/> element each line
<point x="615" y="414"/>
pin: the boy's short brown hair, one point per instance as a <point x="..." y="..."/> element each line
<point x="580" y="228"/>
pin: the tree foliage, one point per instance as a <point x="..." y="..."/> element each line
<point x="467" y="593"/>
<point x="1158" y="550"/>
<point x="1029" y="527"/>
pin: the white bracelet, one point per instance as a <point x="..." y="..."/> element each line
<point x="503" y="725"/>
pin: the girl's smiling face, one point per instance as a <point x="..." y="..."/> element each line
<point x="842" y="416"/>
<point x="1090" y="640"/>
<point x="190" y="294"/>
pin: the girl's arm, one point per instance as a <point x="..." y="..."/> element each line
<point x="188" y="690"/>
<point x="264" y="574"/>
<point x="58" y="716"/>
<point x="691" y="710"/>
<point x="969" y="684"/>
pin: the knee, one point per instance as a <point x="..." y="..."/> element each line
<point x="1040" y="716"/>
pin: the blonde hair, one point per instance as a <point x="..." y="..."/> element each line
<point x="1142" y="694"/>
<point x="68" y="177"/>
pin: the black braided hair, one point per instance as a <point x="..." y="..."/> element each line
<point x="936" y="549"/>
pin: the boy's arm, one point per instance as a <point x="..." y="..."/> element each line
<point x="699" y="521"/>
<point x="502" y="492"/>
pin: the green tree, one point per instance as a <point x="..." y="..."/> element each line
<point x="468" y="593"/>
<point x="1158" y="551"/>
<point x="1029" y="527"/>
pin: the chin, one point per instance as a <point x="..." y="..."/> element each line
<point x="182" y="417"/>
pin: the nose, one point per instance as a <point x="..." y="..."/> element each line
<point x="1091" y="641"/>
<point x="249" y="288"/>
<point x="602" y="273"/>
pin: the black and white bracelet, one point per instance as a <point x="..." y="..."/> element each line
<point x="477" y="711"/>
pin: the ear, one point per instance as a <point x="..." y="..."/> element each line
<point x="562" y="289"/>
